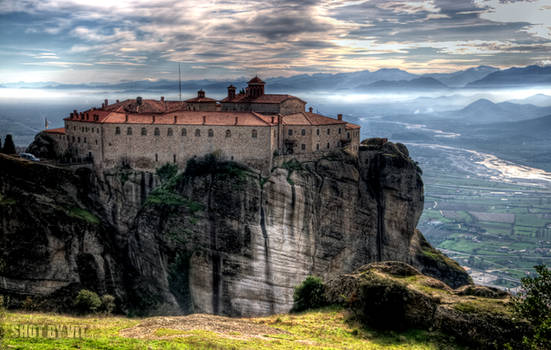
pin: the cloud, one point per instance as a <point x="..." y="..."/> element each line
<point x="281" y="37"/>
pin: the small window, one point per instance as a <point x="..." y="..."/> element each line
<point x="78" y="139"/>
<point x="157" y="132"/>
<point x="303" y="132"/>
<point x="169" y="132"/>
<point x="174" y="158"/>
<point x="290" y="132"/>
<point x="129" y="131"/>
<point x="328" y="131"/>
<point x="328" y="145"/>
<point x="197" y="132"/>
<point x="184" y="132"/>
<point x="254" y="134"/>
<point x="348" y="134"/>
<point x="318" y="147"/>
<point x="144" y="131"/>
<point x="85" y="140"/>
<point x="318" y="131"/>
<point x="339" y="130"/>
<point x="211" y="133"/>
<point x="228" y="133"/>
<point x="117" y="131"/>
<point x="156" y="157"/>
<point x="96" y="141"/>
<point x="303" y="147"/>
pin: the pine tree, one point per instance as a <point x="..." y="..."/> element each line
<point x="9" y="146"/>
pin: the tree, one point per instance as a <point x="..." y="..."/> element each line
<point x="9" y="146"/>
<point x="310" y="294"/>
<point x="0" y="145"/>
<point x="534" y="304"/>
<point x="87" y="301"/>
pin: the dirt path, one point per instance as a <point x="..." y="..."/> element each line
<point x="237" y="328"/>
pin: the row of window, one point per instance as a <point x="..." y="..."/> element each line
<point x="86" y="129"/>
<point x="170" y="132"/>
<point x="303" y="132"/>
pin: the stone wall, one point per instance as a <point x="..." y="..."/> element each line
<point x="291" y="106"/>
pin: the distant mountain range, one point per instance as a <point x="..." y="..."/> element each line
<point x="484" y="111"/>
<point x="382" y="80"/>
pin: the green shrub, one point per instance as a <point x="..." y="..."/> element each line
<point x="107" y="304"/>
<point x="534" y="303"/>
<point x="310" y="294"/>
<point x="87" y="301"/>
<point x="167" y="172"/>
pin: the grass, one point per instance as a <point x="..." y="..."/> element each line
<point x="83" y="214"/>
<point x="326" y="328"/>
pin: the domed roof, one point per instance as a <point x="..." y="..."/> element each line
<point x="256" y="80"/>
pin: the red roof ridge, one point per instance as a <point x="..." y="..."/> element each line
<point x="307" y="118"/>
<point x="258" y="116"/>
<point x="55" y="131"/>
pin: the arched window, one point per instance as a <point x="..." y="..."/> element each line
<point x="85" y="140"/>
<point x="318" y="147"/>
<point x="318" y="131"/>
<point x="254" y="134"/>
<point x="117" y="131"/>
<point x="197" y="132"/>
<point x="144" y="131"/>
<point x="303" y="132"/>
<point x="339" y="130"/>
<point x="328" y="131"/>
<point x="290" y="132"/>
<point x="169" y="132"/>
<point x="328" y="145"/>
<point x="157" y="132"/>
<point x="129" y="131"/>
<point x="184" y="132"/>
<point x="174" y="158"/>
<point x="348" y="134"/>
<point x="211" y="133"/>
<point x="156" y="157"/>
<point x="228" y="133"/>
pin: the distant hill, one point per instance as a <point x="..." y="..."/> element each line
<point x="540" y="100"/>
<point x="484" y="111"/>
<point x="464" y="77"/>
<point x="423" y="83"/>
<point x="531" y="75"/>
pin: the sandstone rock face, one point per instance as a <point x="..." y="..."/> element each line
<point x="220" y="239"/>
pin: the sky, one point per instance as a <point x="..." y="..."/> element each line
<point x="79" y="41"/>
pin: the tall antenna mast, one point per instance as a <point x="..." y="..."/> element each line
<point x="180" y="81"/>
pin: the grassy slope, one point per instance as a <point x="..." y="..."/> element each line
<point x="322" y="329"/>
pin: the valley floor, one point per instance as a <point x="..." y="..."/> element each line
<point x="320" y="329"/>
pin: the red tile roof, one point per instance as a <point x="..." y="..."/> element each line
<point x="200" y="100"/>
<point x="194" y="118"/>
<point x="352" y="126"/>
<point x="55" y="131"/>
<point x="266" y="98"/>
<point x="308" y="118"/>
<point x="147" y="106"/>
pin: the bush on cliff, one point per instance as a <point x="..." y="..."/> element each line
<point x="167" y="172"/>
<point x="310" y="294"/>
<point x="534" y="304"/>
<point x="86" y="301"/>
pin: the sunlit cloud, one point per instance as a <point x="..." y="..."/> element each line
<point x="234" y="38"/>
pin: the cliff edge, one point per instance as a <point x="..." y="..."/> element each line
<point x="217" y="238"/>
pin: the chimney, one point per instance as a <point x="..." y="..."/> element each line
<point x="204" y="119"/>
<point x="162" y="99"/>
<point x="310" y="109"/>
<point x="153" y="119"/>
<point x="75" y="113"/>
<point x="231" y="92"/>
<point x="118" y="101"/>
<point x="103" y="106"/>
<point x="71" y="115"/>
<point x="175" y="119"/>
<point x="236" y="120"/>
<point x="106" y="103"/>
<point x="339" y="116"/>
<point x="126" y="118"/>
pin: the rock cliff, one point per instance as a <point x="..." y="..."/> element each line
<point x="218" y="238"/>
